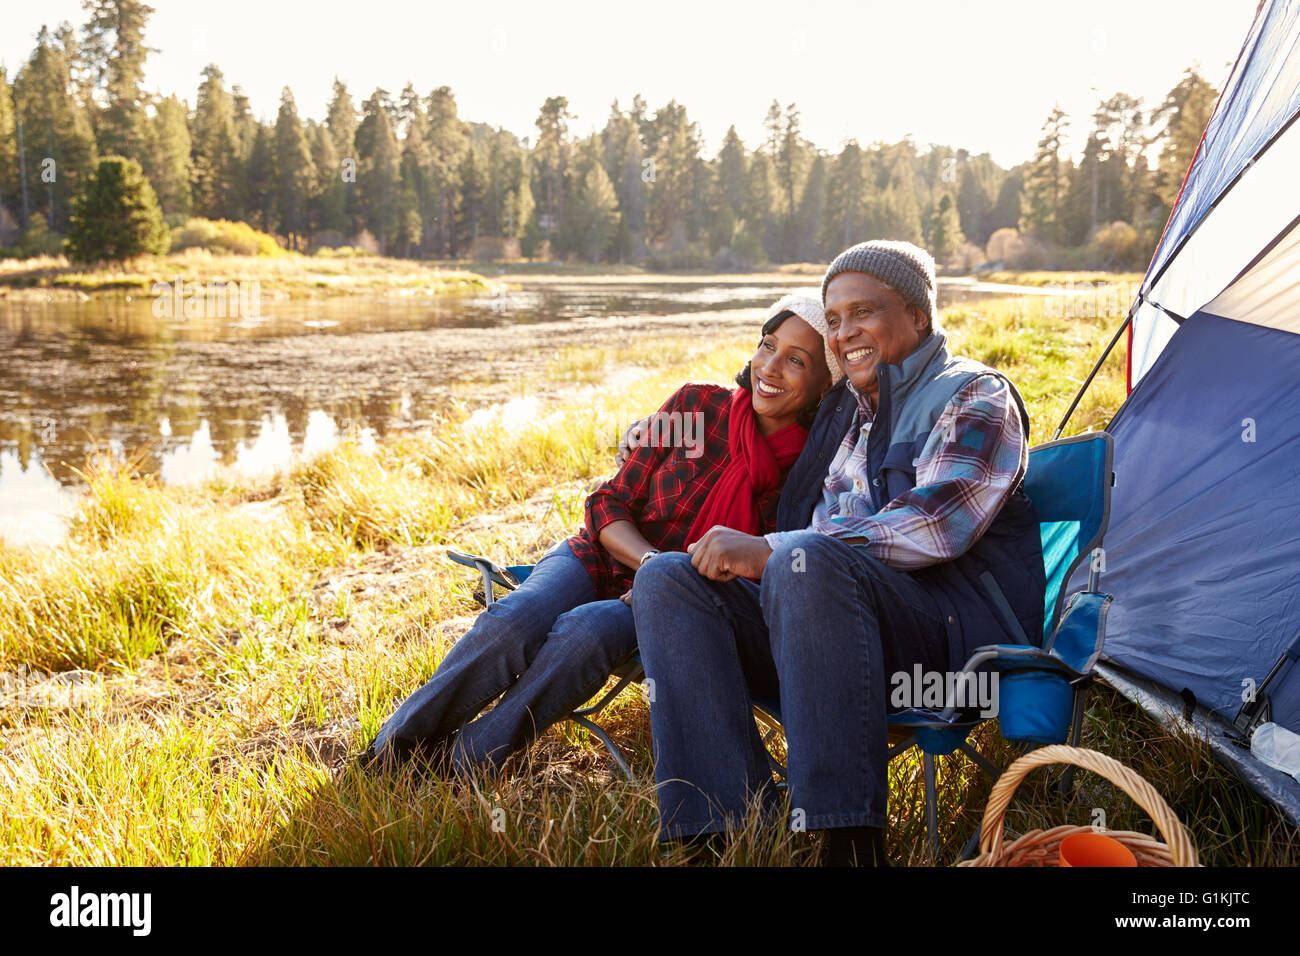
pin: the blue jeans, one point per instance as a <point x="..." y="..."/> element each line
<point x="822" y="633"/>
<point x="549" y="645"/>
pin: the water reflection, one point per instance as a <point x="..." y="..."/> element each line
<point x="185" y="395"/>
<point x="197" y="459"/>
<point x="193" y="462"/>
<point x="34" y="507"/>
<point x="188" y="398"/>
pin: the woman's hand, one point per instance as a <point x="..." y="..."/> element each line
<point x="632" y="438"/>
<point x="724" y="554"/>
<point x="626" y="597"/>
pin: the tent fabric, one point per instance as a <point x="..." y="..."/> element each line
<point x="1262" y="204"/>
<point x="1167" y="707"/>
<point x="1149" y="334"/>
<point x="1260" y="97"/>
<point x="1203" y="549"/>
<point x="1240" y="193"/>
<point x="1269" y="294"/>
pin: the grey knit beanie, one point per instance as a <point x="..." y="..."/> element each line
<point x="810" y="310"/>
<point x="906" y="268"/>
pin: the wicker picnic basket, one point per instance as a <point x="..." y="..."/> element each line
<point x="1042" y="847"/>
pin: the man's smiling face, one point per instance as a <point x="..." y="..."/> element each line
<point x="869" y="324"/>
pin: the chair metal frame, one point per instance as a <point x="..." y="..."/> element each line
<point x="628" y="672"/>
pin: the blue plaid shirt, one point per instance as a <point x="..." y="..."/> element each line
<point x="975" y="457"/>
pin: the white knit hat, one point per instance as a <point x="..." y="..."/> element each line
<point x="809" y="308"/>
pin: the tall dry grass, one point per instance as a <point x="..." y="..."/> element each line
<point x="245" y="640"/>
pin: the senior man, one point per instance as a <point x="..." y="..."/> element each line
<point x="905" y="539"/>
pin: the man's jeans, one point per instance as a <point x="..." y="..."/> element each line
<point x="551" y="633"/>
<point x="823" y="633"/>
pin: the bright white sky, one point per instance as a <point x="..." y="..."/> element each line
<point x="980" y="75"/>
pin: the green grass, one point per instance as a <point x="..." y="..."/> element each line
<point x="249" y="637"/>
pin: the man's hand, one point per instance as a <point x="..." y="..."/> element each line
<point x="632" y="438"/>
<point x="626" y="597"/>
<point x="723" y="554"/>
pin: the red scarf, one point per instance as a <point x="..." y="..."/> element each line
<point x="754" y="467"/>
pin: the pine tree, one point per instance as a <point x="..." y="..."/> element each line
<point x="899" y="212"/>
<point x="1121" y="128"/>
<point x="378" y="171"/>
<point x="509" y="195"/>
<point x="730" y="185"/>
<point x="9" y="187"/>
<point x="295" y="174"/>
<point x="116" y="215"/>
<point x="1046" y="181"/>
<point x="848" y="218"/>
<point x="58" y="143"/>
<point x="1006" y="213"/>
<point x="791" y="160"/>
<point x="474" y="199"/>
<point x="215" y="149"/>
<point x="945" y="229"/>
<point x="812" y="209"/>
<point x="758" y="235"/>
<point x="260" y="179"/>
<point x="116" y="52"/>
<point x="329" y="196"/>
<point x="672" y="195"/>
<point x="341" y="124"/>
<point x="590" y="219"/>
<point x="1081" y="207"/>
<point x="1184" y="114"/>
<point x="416" y="185"/>
<point x="624" y="165"/>
<point x="448" y="140"/>
<point x="170" y="167"/>
<point x="976" y="189"/>
<point x="550" y="162"/>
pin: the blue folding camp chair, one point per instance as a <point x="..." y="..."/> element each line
<point x="1041" y="685"/>
<point x="627" y="672"/>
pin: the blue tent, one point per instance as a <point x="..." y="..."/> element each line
<point x="1203" y="550"/>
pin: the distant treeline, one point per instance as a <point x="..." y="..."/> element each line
<point x="409" y="177"/>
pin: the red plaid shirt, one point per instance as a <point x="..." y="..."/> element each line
<point x="662" y="489"/>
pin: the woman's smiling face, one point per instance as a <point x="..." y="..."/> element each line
<point x="787" y="372"/>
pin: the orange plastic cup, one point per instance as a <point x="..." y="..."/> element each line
<point x="1094" y="849"/>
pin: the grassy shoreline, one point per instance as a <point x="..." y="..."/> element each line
<point x="298" y="276"/>
<point x="281" y="276"/>
<point x="247" y="637"/>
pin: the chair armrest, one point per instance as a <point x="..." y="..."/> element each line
<point x="491" y="571"/>
<point x="1081" y="632"/>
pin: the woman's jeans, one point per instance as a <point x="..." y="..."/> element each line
<point x="549" y="645"/>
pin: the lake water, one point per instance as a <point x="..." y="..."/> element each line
<point x="190" y="396"/>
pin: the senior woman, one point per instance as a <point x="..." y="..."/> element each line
<point x="551" y="644"/>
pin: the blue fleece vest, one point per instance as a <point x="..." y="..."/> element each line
<point x="1001" y="575"/>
